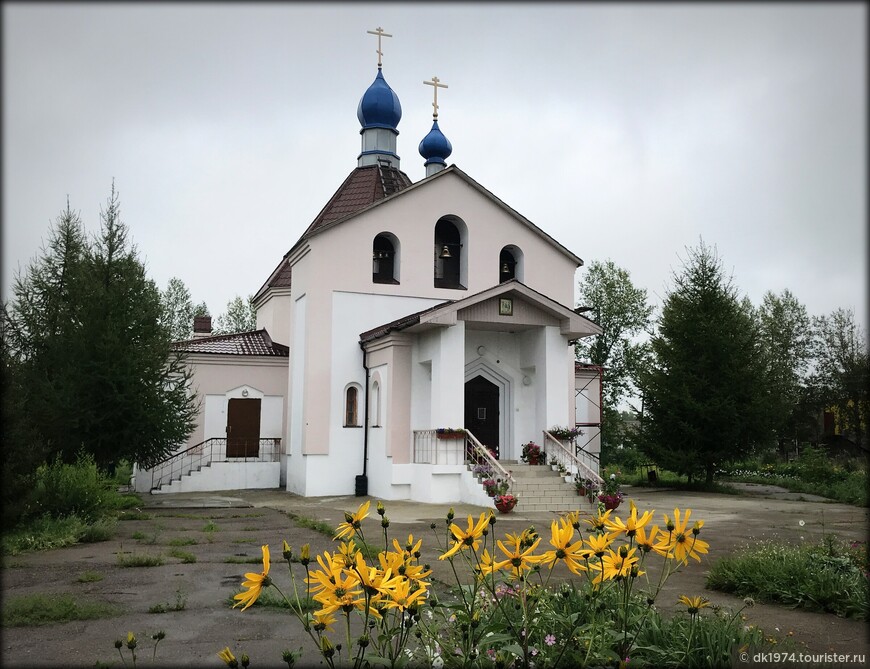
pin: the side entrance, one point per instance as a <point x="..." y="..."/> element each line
<point x="243" y="428"/>
<point x="482" y="411"/>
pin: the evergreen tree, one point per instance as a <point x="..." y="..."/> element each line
<point x="85" y="330"/>
<point x="704" y="393"/>
<point x="622" y="311"/>
<point x="240" y="316"/>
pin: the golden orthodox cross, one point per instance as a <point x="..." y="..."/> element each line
<point x="380" y="33"/>
<point x="436" y="84"/>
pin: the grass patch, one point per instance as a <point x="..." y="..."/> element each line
<point x="185" y="556"/>
<point x="190" y="516"/>
<point x="139" y="560"/>
<point x="668" y="479"/>
<point x="183" y="542"/>
<point x="46" y="533"/>
<point x="179" y="605"/>
<point x="313" y="524"/>
<point x="210" y="526"/>
<point x="135" y="514"/>
<point x="89" y="577"/>
<point x="41" y="609"/>
<point x="143" y="538"/>
<point x="826" y="576"/>
<point x="244" y="515"/>
<point x="243" y="541"/>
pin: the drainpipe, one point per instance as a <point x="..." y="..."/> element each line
<point x="362" y="480"/>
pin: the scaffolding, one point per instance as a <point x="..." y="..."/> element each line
<point x="588" y="415"/>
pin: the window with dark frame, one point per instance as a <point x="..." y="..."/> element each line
<point x="350" y="407"/>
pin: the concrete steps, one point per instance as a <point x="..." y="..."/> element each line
<point x="541" y="488"/>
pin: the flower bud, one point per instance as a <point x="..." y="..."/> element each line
<point x="385" y="522"/>
<point x="119" y="644"/>
<point x="245" y="660"/>
<point x="450" y="514"/>
<point x="305" y="554"/>
<point x="381" y="509"/>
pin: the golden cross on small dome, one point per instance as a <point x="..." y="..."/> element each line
<point x="436" y="84"/>
<point x="380" y="33"/>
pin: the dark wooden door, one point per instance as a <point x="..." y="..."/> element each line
<point x="243" y="428"/>
<point x="481" y="411"/>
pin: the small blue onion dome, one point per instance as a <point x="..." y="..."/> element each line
<point x="379" y="106"/>
<point x="435" y="147"/>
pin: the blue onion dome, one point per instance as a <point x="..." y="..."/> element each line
<point x="435" y="145"/>
<point x="379" y="106"/>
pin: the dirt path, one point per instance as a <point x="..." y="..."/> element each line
<point x="245" y="520"/>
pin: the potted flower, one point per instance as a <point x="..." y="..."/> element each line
<point x="505" y="503"/>
<point x="450" y="433"/>
<point x="533" y="454"/>
<point x="565" y="433"/>
<point x="610" y="494"/>
<point x="582" y="485"/>
<point x="489" y="486"/>
<point x="482" y="470"/>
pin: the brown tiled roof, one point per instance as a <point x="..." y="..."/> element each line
<point x="363" y="187"/>
<point x="282" y="278"/>
<point x="257" y="342"/>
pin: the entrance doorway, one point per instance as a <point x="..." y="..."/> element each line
<point x="482" y="411"/>
<point x="243" y="428"/>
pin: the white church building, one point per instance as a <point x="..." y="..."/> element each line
<point x="404" y="311"/>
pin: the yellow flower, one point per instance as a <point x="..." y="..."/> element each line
<point x="470" y="537"/>
<point x="488" y="565"/>
<point x="518" y="560"/>
<point x="399" y="595"/>
<point x="410" y="548"/>
<point x="562" y="534"/>
<point x="631" y="525"/>
<point x="255" y="583"/>
<point x="227" y="656"/>
<point x="347" y="551"/>
<point x="680" y="544"/>
<point x="323" y="621"/>
<point x="617" y="563"/>
<point x="331" y="584"/>
<point x="599" y="522"/>
<point x="352" y="522"/>
<point x="598" y="545"/>
<point x="646" y="543"/>
<point x="695" y="604"/>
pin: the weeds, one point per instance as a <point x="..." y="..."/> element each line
<point x="143" y="538"/>
<point x="236" y="559"/>
<point x="42" y="609"/>
<point x="185" y="556"/>
<point x="180" y="604"/>
<point x="183" y="542"/>
<point x="312" y="524"/>
<point x="135" y="514"/>
<point x="139" y="560"/>
<point x="210" y="526"/>
<point x="90" y="577"/>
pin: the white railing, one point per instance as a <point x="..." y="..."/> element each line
<point x="557" y="454"/>
<point x="454" y="448"/>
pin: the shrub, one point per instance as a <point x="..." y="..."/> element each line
<point x="44" y="533"/>
<point x="78" y="489"/>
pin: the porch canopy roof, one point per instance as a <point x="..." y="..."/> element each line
<point x="528" y="307"/>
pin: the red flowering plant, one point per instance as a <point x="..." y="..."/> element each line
<point x="533" y="454"/>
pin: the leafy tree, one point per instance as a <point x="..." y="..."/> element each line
<point x="841" y="379"/>
<point x="704" y="394"/>
<point x="240" y="316"/>
<point x="177" y="310"/>
<point x="85" y="333"/>
<point x="786" y="337"/>
<point x="622" y="311"/>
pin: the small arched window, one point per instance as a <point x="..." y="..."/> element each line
<point x="351" y="407"/>
<point x="510" y="264"/>
<point x="385" y="259"/>
<point x="449" y="254"/>
<point x="376" y="405"/>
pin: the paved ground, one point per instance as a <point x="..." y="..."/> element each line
<point x="247" y="519"/>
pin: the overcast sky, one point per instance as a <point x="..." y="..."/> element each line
<point x="627" y="132"/>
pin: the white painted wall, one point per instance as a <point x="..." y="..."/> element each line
<point x="228" y="476"/>
<point x="274" y="315"/>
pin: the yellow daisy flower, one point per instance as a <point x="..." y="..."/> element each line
<point x="618" y="562"/>
<point x="598" y="545"/>
<point x="322" y="621"/>
<point x="680" y="544"/>
<point x="255" y="583"/>
<point x="562" y="535"/>
<point x="599" y="523"/>
<point x="519" y="560"/>
<point x="488" y="565"/>
<point x="399" y="596"/>
<point x="227" y="656"/>
<point x="694" y="604"/>
<point x="469" y="537"/>
<point x="616" y="526"/>
<point x="352" y="522"/>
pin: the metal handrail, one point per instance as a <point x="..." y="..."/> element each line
<point x="473" y="447"/>
<point x="203" y="454"/>
<point x="562" y="454"/>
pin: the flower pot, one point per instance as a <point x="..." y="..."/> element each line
<point x="610" y="501"/>
<point x="534" y="460"/>
<point x="581" y="492"/>
<point x="505" y="506"/>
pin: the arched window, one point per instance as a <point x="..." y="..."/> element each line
<point x="510" y="264"/>
<point x="376" y="404"/>
<point x="351" y="407"/>
<point x="385" y="259"/>
<point x="450" y="255"/>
